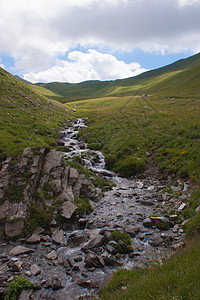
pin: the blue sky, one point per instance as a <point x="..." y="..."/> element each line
<point x="74" y="41"/>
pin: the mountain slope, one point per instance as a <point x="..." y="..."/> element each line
<point x="151" y="81"/>
<point x="27" y="119"/>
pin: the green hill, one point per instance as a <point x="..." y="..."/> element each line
<point x="27" y="118"/>
<point x="166" y="80"/>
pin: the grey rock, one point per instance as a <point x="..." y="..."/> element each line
<point x="157" y="241"/>
<point x="95" y="242"/>
<point x="57" y="236"/>
<point x="35" y="270"/>
<point x="75" y="241"/>
<point x="14" y="228"/>
<point x="25" y="295"/>
<point x="34" y="239"/>
<point x="18" y="250"/>
<point x="52" y="255"/>
<point x="68" y="209"/>
<point x="56" y="283"/>
<point x="182" y="206"/>
<point x="92" y="260"/>
<point x="131" y="230"/>
<point x="163" y="221"/>
<point x="147" y="222"/>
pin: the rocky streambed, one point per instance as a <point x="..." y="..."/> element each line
<point x="75" y="263"/>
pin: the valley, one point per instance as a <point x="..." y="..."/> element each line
<point x="102" y="175"/>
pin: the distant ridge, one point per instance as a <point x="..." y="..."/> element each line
<point x="95" y="88"/>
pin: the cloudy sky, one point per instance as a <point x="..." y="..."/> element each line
<point x="78" y="40"/>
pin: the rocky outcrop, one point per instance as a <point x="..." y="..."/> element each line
<point x="39" y="178"/>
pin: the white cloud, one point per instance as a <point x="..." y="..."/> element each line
<point x="36" y="32"/>
<point x="80" y="66"/>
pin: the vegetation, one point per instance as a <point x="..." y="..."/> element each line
<point x="16" y="286"/>
<point x="176" y="278"/>
<point x="27" y="119"/>
<point x="131" y="131"/>
<point x="84" y="206"/>
<point x="118" y="235"/>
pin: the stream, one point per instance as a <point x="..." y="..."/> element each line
<point x="87" y="257"/>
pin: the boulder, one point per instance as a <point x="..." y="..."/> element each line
<point x="57" y="236"/>
<point x="93" y="260"/>
<point x="52" y="160"/>
<point x="68" y="209"/>
<point x="95" y="242"/>
<point x="157" y="241"/>
<point x="131" y="230"/>
<point x="15" y="228"/>
<point x="164" y="223"/>
<point x="34" y="239"/>
<point x="56" y="283"/>
<point x="18" y="250"/>
<point x="52" y="255"/>
<point x="147" y="222"/>
<point x="75" y="241"/>
<point x="35" y="270"/>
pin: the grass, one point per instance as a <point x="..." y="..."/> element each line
<point x="177" y="278"/>
<point x="127" y="128"/>
<point x="27" y="119"/>
<point x="16" y="286"/>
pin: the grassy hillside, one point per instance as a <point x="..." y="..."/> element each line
<point x="27" y="119"/>
<point x="158" y="80"/>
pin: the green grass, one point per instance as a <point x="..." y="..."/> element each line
<point x="126" y="128"/>
<point x="27" y="119"/>
<point x="177" y="278"/>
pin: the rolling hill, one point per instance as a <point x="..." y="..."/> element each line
<point x="167" y="80"/>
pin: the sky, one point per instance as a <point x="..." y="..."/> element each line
<point x="78" y="40"/>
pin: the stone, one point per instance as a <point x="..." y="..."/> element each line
<point x="15" y="264"/>
<point x="78" y="258"/>
<point x="52" y="160"/>
<point x="25" y="295"/>
<point x="125" y="248"/>
<point x="14" y="228"/>
<point x="157" y="241"/>
<point x="131" y="230"/>
<point x="84" y="282"/>
<point x="178" y="245"/>
<point x="147" y="222"/>
<point x="92" y="260"/>
<point x="76" y="241"/>
<point x="68" y="209"/>
<point x="34" y="239"/>
<point x="35" y="270"/>
<point x="95" y="242"/>
<point x="147" y="202"/>
<point x="164" y="223"/>
<point x="111" y="249"/>
<point x="182" y="206"/>
<point x="57" y="236"/>
<point x="52" y="255"/>
<point x="56" y="283"/>
<point x="73" y="175"/>
<point x="18" y="250"/>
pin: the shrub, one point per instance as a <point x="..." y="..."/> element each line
<point x="110" y="160"/>
<point x="17" y="285"/>
<point x="84" y="206"/>
<point x="130" y="166"/>
<point x="123" y="236"/>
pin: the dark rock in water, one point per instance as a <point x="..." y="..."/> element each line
<point x="75" y="241"/>
<point x="147" y="222"/>
<point x="157" y="241"/>
<point x="92" y="260"/>
<point x="95" y="242"/>
<point x="56" y="283"/>
<point x="131" y="230"/>
<point x="161" y="222"/>
<point x="84" y="282"/>
<point x="125" y="248"/>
